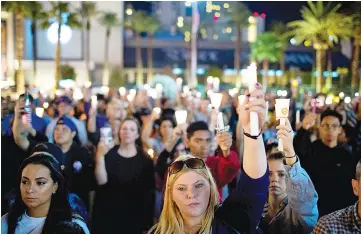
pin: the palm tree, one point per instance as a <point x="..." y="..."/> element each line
<point x="186" y="31"/>
<point x="60" y="12"/>
<point x="35" y="13"/>
<point x="280" y="30"/>
<point x="266" y="49"/>
<point x="19" y="9"/>
<point x="109" y="20"/>
<point x="87" y="11"/>
<point x="152" y="26"/>
<point x="138" y="24"/>
<point x="357" y="44"/>
<point x="322" y="26"/>
<point x="239" y="17"/>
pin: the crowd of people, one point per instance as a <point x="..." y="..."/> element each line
<point x="113" y="164"/>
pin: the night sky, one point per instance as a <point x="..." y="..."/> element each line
<point x="280" y="11"/>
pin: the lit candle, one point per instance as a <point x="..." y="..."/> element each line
<point x="122" y="91"/>
<point x="151" y="153"/>
<point x="157" y="110"/>
<point x="298" y="117"/>
<point x="241" y="99"/>
<point x="252" y="80"/>
<point x="94" y="102"/>
<point x="220" y="123"/>
<point x="39" y="111"/>
<point x="179" y="82"/>
<point x="216" y="100"/>
<point x="181" y="116"/>
<point x="45" y="105"/>
<point x="282" y="109"/>
<point x="216" y="83"/>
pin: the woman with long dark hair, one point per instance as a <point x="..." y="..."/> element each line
<point x="41" y="198"/>
<point x="125" y="198"/>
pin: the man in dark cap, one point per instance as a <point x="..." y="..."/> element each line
<point x="64" y="108"/>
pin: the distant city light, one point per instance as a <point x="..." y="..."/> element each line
<point x="357" y="94"/>
<point x="341" y="95"/>
<point x="347" y="100"/>
<point x="251" y="20"/>
<point x="65" y="34"/>
<point x="226" y="5"/>
<point x="263" y="15"/>
<point x="293" y="41"/>
<point x="215" y="37"/>
<point x="307" y="43"/>
<point x="217" y="14"/>
<point x="255" y="14"/>
<point x="229" y="30"/>
<point x="188" y="3"/>
<point x="129" y="11"/>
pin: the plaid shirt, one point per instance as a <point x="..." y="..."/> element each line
<point x="342" y="221"/>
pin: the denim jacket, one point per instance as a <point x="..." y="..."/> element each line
<point x="298" y="212"/>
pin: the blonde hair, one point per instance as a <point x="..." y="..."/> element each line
<point x="171" y="220"/>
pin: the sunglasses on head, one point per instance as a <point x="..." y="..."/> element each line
<point x="191" y="163"/>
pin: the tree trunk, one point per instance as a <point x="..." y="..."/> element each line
<point x="237" y="55"/>
<point x="34" y="40"/>
<point x="188" y="60"/>
<point x="265" y="74"/>
<point x="319" y="64"/>
<point x="87" y="50"/>
<point x="20" y="82"/>
<point x="342" y="76"/>
<point x="58" y="56"/>
<point x="329" y="70"/>
<point x="139" y="61"/>
<point x="106" y="65"/>
<point x="283" y="68"/>
<point x="150" y="59"/>
<point x="355" y="60"/>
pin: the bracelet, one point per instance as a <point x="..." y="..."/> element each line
<point x="250" y="136"/>
<point x="292" y="156"/>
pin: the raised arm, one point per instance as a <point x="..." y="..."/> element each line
<point x="100" y="170"/>
<point x="147" y="130"/>
<point x="243" y="208"/>
<point x="19" y="130"/>
<point x="302" y="195"/>
<point x="92" y="120"/>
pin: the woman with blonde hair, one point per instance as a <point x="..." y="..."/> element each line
<point x="191" y="196"/>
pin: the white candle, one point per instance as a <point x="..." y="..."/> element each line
<point x="282" y="110"/>
<point x="157" y="110"/>
<point x="122" y="91"/>
<point x="181" y="116"/>
<point x="252" y="80"/>
<point x="39" y="112"/>
<point x="179" y="82"/>
<point x="298" y="117"/>
<point x="94" y="101"/>
<point x="220" y="123"/>
<point x="266" y="109"/>
<point x="216" y="100"/>
<point x="216" y="83"/>
<point x="241" y="99"/>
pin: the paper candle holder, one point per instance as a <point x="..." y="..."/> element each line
<point x="216" y="100"/>
<point x="220" y="124"/>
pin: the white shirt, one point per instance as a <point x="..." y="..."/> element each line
<point x="30" y="225"/>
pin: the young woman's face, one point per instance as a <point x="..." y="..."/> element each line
<point x="166" y="129"/>
<point x="277" y="175"/>
<point x="191" y="193"/>
<point x="63" y="134"/>
<point x="128" y="132"/>
<point x="36" y="186"/>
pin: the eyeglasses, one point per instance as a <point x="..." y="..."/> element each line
<point x="192" y="163"/>
<point x="330" y="126"/>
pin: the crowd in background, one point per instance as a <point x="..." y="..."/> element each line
<point x="110" y="159"/>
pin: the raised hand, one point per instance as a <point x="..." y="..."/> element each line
<point x="224" y="140"/>
<point x="103" y="148"/>
<point x="309" y="121"/>
<point x="285" y="133"/>
<point x="258" y="105"/>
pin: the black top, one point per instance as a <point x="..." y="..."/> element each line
<point x="79" y="172"/>
<point x="331" y="171"/>
<point x="125" y="203"/>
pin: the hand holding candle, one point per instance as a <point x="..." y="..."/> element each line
<point x="282" y="109"/>
<point x="252" y="81"/>
<point x="285" y="134"/>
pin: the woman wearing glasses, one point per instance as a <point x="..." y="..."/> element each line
<point x="191" y="196"/>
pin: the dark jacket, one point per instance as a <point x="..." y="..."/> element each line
<point x="242" y="210"/>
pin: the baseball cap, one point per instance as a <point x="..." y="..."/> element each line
<point x="67" y="122"/>
<point x="65" y="99"/>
